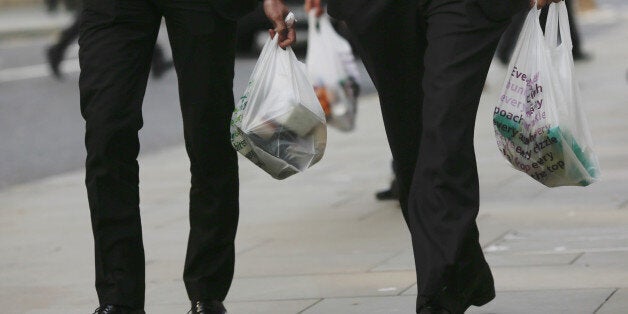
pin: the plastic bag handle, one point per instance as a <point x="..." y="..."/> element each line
<point x="312" y="20"/>
<point x="558" y="25"/>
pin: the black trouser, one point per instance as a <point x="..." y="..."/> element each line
<point x="116" y="44"/>
<point x="429" y="63"/>
<point x="70" y="33"/>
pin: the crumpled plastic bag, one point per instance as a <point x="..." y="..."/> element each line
<point x="278" y="123"/>
<point x="332" y="68"/>
<point x="539" y="123"/>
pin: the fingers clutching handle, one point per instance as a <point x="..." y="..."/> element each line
<point x="542" y="3"/>
<point x="283" y="22"/>
<point x="314" y="5"/>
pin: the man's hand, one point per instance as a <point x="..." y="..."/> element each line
<point x="276" y="12"/>
<point x="542" y="3"/>
<point x="314" y="5"/>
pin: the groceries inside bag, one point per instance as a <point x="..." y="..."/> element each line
<point x="539" y="124"/>
<point x="278" y="123"/>
<point x="334" y="72"/>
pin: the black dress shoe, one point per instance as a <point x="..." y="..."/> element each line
<point x="433" y="309"/>
<point x="160" y="68"/>
<point x="54" y="58"/>
<point x="207" y="307"/>
<point x="581" y="56"/>
<point x="391" y="194"/>
<point x="117" y="309"/>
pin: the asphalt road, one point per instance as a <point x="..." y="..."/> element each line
<point x="41" y="129"/>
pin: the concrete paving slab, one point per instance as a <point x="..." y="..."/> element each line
<point x="320" y="286"/>
<point x="262" y="307"/>
<point x="617" y="303"/>
<point x="261" y="264"/>
<point x="514" y="302"/>
<point x="584" y="301"/>
<point x="563" y="240"/>
<point x="265" y="307"/>
<point x="500" y="260"/>
<point x="617" y="259"/>
<point x="412" y="290"/>
<point x="401" y="261"/>
<point x="530" y="278"/>
<point x="557" y="277"/>
<point x="50" y="297"/>
<point x="371" y="305"/>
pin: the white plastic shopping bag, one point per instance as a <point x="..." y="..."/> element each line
<point x="332" y="68"/>
<point x="278" y="123"/>
<point x="539" y="123"/>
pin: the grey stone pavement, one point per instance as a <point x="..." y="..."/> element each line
<point x="23" y="21"/>
<point x="319" y="243"/>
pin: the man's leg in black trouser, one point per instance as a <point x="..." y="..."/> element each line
<point x="203" y="46"/>
<point x="116" y="45"/>
<point x="510" y="37"/>
<point x="430" y="76"/>
<point x="444" y="199"/>
<point x="395" y="65"/>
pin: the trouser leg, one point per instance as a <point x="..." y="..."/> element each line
<point x="444" y="198"/>
<point x="395" y="65"/>
<point x="510" y="37"/>
<point x="430" y="76"/>
<point x="203" y="46"/>
<point x="116" y="43"/>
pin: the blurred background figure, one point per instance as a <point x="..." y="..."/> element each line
<point x="56" y="52"/>
<point x="392" y="193"/>
<point x="509" y="38"/>
<point x="70" y="5"/>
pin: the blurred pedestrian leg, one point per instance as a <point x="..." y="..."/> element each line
<point x="56" y="52"/>
<point x="392" y="193"/>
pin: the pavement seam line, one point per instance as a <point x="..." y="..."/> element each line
<point x="606" y="300"/>
<point x="311" y="305"/>
<point x="576" y="258"/>
<point x="501" y="236"/>
<point x="408" y="288"/>
<point x="386" y="260"/>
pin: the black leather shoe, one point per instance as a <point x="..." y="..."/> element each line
<point x="581" y="56"/>
<point x="54" y="58"/>
<point x="207" y="307"/>
<point x="160" y="68"/>
<point x="117" y="309"/>
<point x="391" y="194"/>
<point x="433" y="309"/>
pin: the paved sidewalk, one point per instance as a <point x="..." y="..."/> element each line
<point x="319" y="242"/>
<point x="29" y="21"/>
